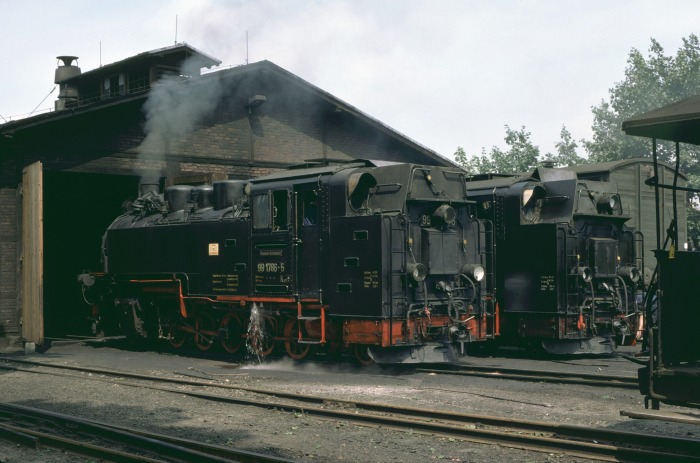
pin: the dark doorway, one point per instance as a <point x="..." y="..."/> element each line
<point x="78" y="208"/>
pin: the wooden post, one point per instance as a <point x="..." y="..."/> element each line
<point x="32" y="255"/>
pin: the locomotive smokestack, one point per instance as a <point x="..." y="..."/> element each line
<point x="146" y="187"/>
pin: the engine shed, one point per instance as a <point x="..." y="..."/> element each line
<point x="162" y="117"/>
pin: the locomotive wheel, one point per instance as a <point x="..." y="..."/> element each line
<point x="362" y="355"/>
<point x="205" y="331"/>
<point x="262" y="343"/>
<point x="294" y="349"/>
<point x="232" y="328"/>
<point x="177" y="336"/>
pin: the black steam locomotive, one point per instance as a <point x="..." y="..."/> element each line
<point x="382" y="260"/>
<point x="566" y="268"/>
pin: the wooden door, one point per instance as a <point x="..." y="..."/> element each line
<point x="32" y="254"/>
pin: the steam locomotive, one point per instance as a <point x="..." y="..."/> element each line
<point x="384" y="261"/>
<point x="390" y="262"/>
<point x="567" y="275"/>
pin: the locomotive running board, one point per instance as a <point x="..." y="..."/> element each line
<point x="598" y="345"/>
<point x="431" y="353"/>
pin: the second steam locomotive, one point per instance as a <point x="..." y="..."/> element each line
<point x="390" y="262"/>
<point x="567" y="268"/>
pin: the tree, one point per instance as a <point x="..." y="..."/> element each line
<point x="566" y="150"/>
<point x="649" y="83"/>
<point x="520" y="157"/>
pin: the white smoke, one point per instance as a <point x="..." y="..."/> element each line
<point x="175" y="104"/>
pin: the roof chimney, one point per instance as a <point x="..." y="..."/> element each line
<point x="68" y="94"/>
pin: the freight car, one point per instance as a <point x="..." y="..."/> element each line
<point x="382" y="260"/>
<point x="567" y="270"/>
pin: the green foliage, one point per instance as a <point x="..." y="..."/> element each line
<point x="649" y="83"/>
<point x="566" y="150"/>
<point x="694" y="226"/>
<point x="521" y="156"/>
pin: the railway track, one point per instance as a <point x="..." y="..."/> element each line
<point x="580" y="441"/>
<point x="626" y="382"/>
<point x="33" y="427"/>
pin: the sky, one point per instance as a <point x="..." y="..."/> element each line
<point x="445" y="73"/>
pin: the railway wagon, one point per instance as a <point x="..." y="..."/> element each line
<point x="567" y="269"/>
<point x="382" y="260"/>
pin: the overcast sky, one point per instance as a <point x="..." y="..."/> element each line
<point x="444" y="73"/>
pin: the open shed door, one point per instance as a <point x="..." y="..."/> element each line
<point x="32" y="255"/>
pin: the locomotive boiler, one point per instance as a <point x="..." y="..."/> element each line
<point x="566" y="267"/>
<point x="382" y="260"/>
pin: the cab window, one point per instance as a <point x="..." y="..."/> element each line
<point x="262" y="218"/>
<point x="280" y="211"/>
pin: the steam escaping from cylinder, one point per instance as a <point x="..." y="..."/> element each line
<point x="255" y="341"/>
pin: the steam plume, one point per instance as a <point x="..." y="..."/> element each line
<point x="174" y="106"/>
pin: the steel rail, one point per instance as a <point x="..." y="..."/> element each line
<point x="456" y="429"/>
<point x="586" y="379"/>
<point x="176" y="449"/>
<point x="33" y="438"/>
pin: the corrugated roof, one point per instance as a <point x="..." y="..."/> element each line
<point x="679" y="121"/>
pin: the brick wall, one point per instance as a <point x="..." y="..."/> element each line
<point x="9" y="316"/>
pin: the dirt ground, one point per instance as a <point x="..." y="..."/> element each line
<point x="311" y="439"/>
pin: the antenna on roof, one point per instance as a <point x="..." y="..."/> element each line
<point x="246" y="47"/>
<point x="175" y="29"/>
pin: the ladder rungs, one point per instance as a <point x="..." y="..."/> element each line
<point x="308" y="318"/>
<point x="308" y="341"/>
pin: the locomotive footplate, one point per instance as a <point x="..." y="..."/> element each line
<point x="428" y="353"/>
<point x="594" y="345"/>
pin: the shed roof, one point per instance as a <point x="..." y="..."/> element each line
<point x="174" y="53"/>
<point x="233" y="73"/>
<point x="266" y="66"/>
<point x="677" y="121"/>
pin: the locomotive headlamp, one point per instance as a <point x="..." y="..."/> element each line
<point x="417" y="271"/>
<point x="607" y="203"/>
<point x="445" y="214"/>
<point x="629" y="273"/>
<point x="585" y="273"/>
<point x="532" y="199"/>
<point x="475" y="271"/>
<point x="87" y="279"/>
<point x="359" y="185"/>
